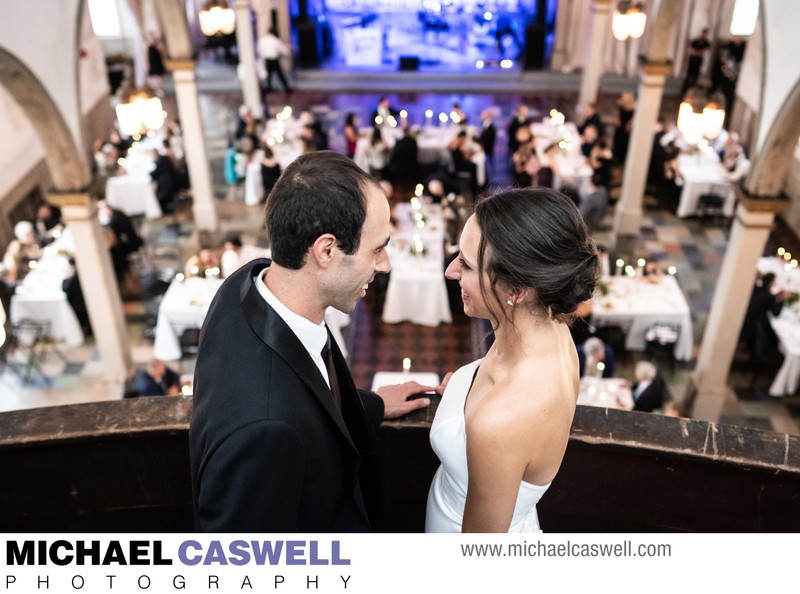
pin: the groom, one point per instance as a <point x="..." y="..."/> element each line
<point x="281" y="440"/>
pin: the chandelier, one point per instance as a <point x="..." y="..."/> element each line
<point x="629" y="20"/>
<point x="217" y="19"/>
<point x="138" y="111"/>
<point x="700" y="116"/>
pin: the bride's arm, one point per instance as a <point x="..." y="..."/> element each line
<point x="496" y="460"/>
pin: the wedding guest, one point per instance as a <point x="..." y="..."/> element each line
<point x="205" y="263"/>
<point x="156" y="379"/>
<point x="271" y="48"/>
<point x="377" y="154"/>
<point x="591" y="118"/>
<point x="270" y="170"/>
<point x="519" y="119"/>
<point x="650" y="390"/>
<point x="626" y="106"/>
<point x="596" y="358"/>
<point x="236" y="254"/>
<point x="350" y="131"/>
<point x="48" y="219"/>
<point x="20" y="252"/>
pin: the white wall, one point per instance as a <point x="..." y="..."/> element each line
<point x="781" y="65"/>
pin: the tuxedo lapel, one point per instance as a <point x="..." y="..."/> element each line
<point x="277" y="335"/>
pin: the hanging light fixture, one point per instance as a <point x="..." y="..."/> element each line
<point x="700" y="116"/>
<point x="217" y="18"/>
<point x="139" y="110"/>
<point x="629" y="20"/>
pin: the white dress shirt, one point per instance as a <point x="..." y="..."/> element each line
<point x="313" y="336"/>
<point x="271" y="47"/>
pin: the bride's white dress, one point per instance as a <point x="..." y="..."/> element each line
<point x="448" y="491"/>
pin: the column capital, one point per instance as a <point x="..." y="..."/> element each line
<point x="657" y="68"/>
<point x="601" y="5"/>
<point x="76" y="199"/>
<point x="754" y="203"/>
<point x="174" y="64"/>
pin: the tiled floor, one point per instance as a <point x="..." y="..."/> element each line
<point x="695" y="248"/>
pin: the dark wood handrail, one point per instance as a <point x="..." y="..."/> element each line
<point x="123" y="466"/>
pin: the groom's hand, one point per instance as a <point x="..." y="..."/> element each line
<point x="395" y="398"/>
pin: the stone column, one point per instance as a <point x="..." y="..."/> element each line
<point x="247" y="57"/>
<point x="96" y="274"/>
<point x="628" y="216"/>
<point x="205" y="214"/>
<point x="601" y="30"/>
<point x="749" y="233"/>
<point x="560" y="52"/>
<point x="284" y="25"/>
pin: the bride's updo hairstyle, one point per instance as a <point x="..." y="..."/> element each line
<point x="535" y="238"/>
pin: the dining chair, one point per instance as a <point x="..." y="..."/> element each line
<point x="660" y="340"/>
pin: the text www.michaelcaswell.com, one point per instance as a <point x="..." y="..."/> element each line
<point x="567" y="549"/>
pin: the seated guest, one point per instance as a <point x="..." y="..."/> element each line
<point x="205" y="263"/>
<point x="596" y="358"/>
<point x="736" y="164"/>
<point x="236" y="254"/>
<point x="649" y="389"/>
<point x="156" y="379"/>
<point x="594" y="202"/>
<point x="48" y="218"/>
<point x="121" y="236"/>
<point x="439" y="186"/>
<point x="545" y="177"/>
<point x="19" y="253"/>
<point x="526" y="165"/>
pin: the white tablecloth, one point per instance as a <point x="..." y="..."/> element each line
<point x="570" y="167"/>
<point x="390" y="378"/>
<point x="133" y="194"/>
<point x="40" y="297"/>
<point x="432" y="145"/>
<point x="636" y="304"/>
<point x="186" y="304"/>
<point x="787" y="328"/>
<point x="612" y="392"/>
<point x="417" y="292"/>
<point x="703" y="173"/>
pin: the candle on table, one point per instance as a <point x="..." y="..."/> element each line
<point x="406" y="366"/>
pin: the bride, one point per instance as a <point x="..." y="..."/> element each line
<point x="526" y="261"/>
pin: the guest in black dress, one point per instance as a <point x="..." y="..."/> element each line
<point x="270" y="171"/>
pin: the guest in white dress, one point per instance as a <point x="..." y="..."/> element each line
<point x="526" y="262"/>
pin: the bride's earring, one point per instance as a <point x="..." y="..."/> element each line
<point x="511" y="303"/>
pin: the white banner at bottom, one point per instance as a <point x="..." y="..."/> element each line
<point x="389" y="563"/>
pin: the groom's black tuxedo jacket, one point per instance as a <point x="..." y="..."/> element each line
<point x="270" y="451"/>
